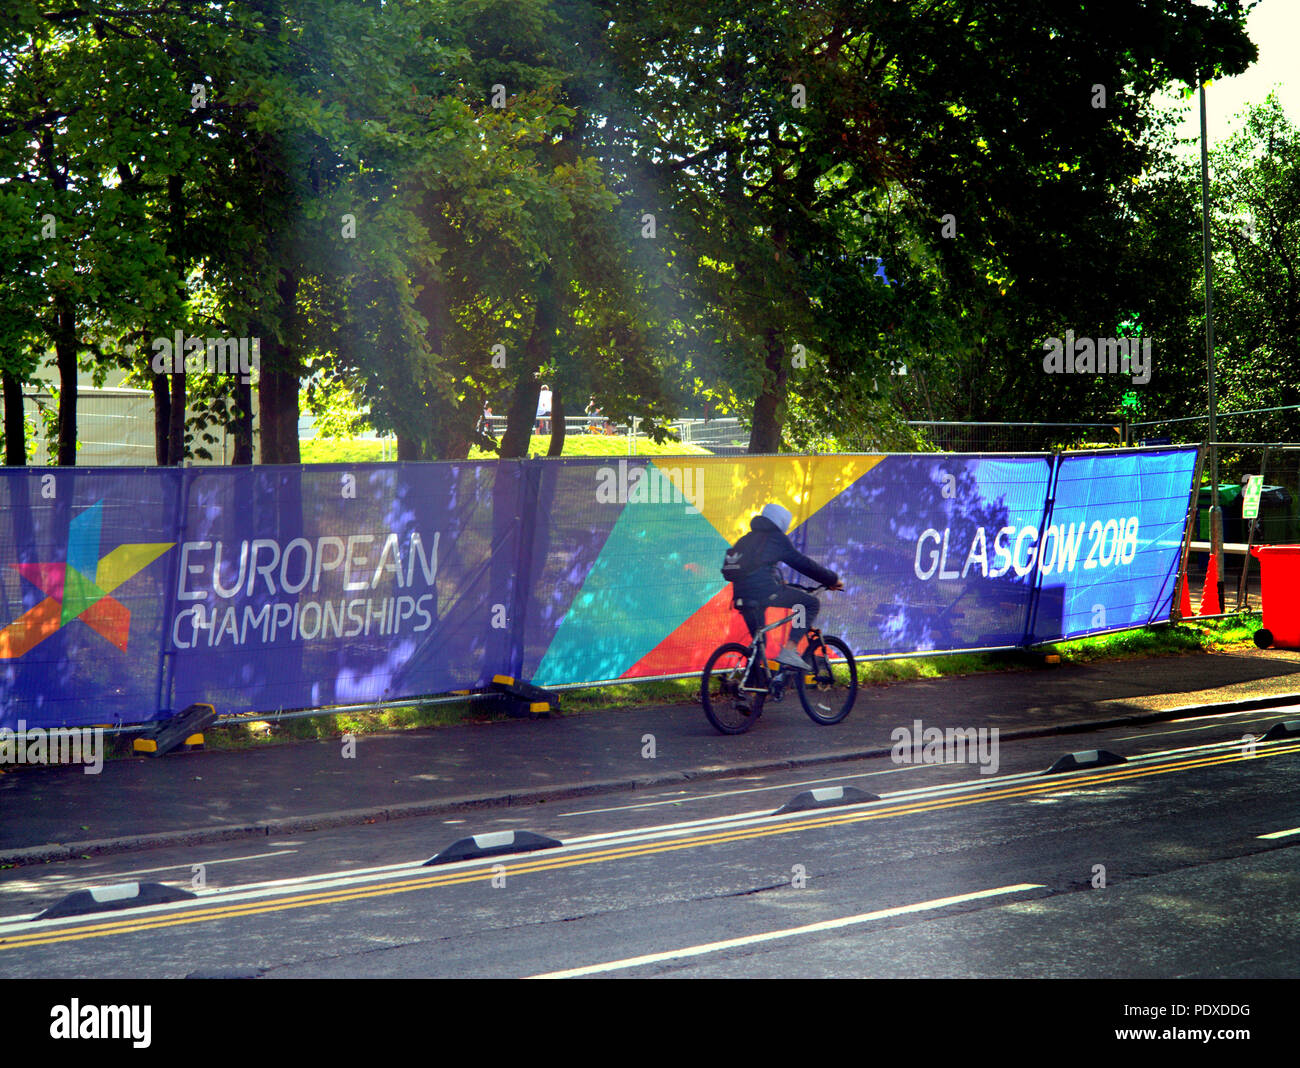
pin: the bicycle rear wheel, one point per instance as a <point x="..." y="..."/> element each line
<point x="730" y="710"/>
<point x="828" y="692"/>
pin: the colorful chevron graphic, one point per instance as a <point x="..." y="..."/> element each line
<point x="71" y="593"/>
<point x="654" y="601"/>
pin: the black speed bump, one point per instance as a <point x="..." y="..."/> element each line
<point x="492" y="844"/>
<point x="826" y="797"/>
<point x="110" y="898"/>
<point x="1087" y="758"/>
<point x="1288" y="728"/>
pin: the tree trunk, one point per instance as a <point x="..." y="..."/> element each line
<point x="537" y="351"/>
<point x="279" y="396"/>
<point x="408" y="448"/>
<point x="15" y="428"/>
<point x="769" y="406"/>
<point x="557" y="423"/>
<point x="65" y="326"/>
<point x="162" y="418"/>
<point x="268" y="402"/>
<point x="290" y="453"/>
<point x="176" y="421"/>
<point x="521" y="417"/>
<point x="176" y="409"/>
<point x="456" y="442"/>
<point x="432" y="302"/>
<point x="65" y="348"/>
<point x="278" y="386"/>
<point x="243" y="425"/>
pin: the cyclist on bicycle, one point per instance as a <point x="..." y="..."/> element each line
<point x="750" y="567"/>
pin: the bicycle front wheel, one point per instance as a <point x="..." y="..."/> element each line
<point x="827" y="692"/>
<point x="730" y="710"/>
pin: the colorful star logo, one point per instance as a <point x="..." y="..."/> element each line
<point x="71" y="594"/>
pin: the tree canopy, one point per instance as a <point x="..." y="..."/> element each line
<point x="826" y="218"/>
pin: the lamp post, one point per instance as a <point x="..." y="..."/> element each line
<point x="1216" y="513"/>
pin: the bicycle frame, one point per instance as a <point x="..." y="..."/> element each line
<point x="734" y="692"/>
<point x="758" y="649"/>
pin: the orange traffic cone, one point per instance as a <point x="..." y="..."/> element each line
<point x="1185" y="599"/>
<point x="1210" y="593"/>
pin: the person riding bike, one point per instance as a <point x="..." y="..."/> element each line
<point x="750" y="567"/>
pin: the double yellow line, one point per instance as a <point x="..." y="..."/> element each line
<point x="550" y="862"/>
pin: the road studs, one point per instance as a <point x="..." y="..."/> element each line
<point x="111" y="898"/>
<point x="826" y="797"/>
<point x="227" y="973"/>
<point x="1087" y="758"/>
<point x="492" y="844"/>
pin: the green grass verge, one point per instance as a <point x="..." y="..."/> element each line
<point x="342" y="451"/>
<point x="1208" y="636"/>
<point x="1192" y="636"/>
<point x="601" y="445"/>
<point x="359" y="450"/>
<point x="253" y="733"/>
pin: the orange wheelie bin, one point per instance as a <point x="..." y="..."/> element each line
<point x="1279" y="575"/>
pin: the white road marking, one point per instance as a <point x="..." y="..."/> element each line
<point x="1260" y="715"/>
<point x="206" y="863"/>
<point x="77" y="880"/>
<point x="1085" y="777"/>
<point x="1207" y="727"/>
<point x="1263" y="712"/>
<point x="750" y="790"/>
<point x="1280" y="834"/>
<point x="790" y="932"/>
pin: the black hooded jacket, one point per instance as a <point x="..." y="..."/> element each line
<point x="758" y="553"/>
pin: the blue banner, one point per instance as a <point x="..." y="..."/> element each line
<point x="127" y="594"/>
<point x="1110" y="552"/>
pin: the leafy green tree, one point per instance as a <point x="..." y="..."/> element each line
<point x="99" y="127"/>
<point x="1255" y="197"/>
<point x="530" y="282"/>
<point x="963" y="147"/>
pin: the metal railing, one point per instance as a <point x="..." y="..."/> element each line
<point x="722" y="435"/>
<point x="114" y="427"/>
<point x="990" y="436"/>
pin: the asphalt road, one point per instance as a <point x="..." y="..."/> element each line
<point x="1158" y="868"/>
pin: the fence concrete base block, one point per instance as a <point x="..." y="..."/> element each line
<point x="185" y="730"/>
<point x="524" y="700"/>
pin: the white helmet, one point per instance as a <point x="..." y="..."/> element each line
<point x="778" y="515"/>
